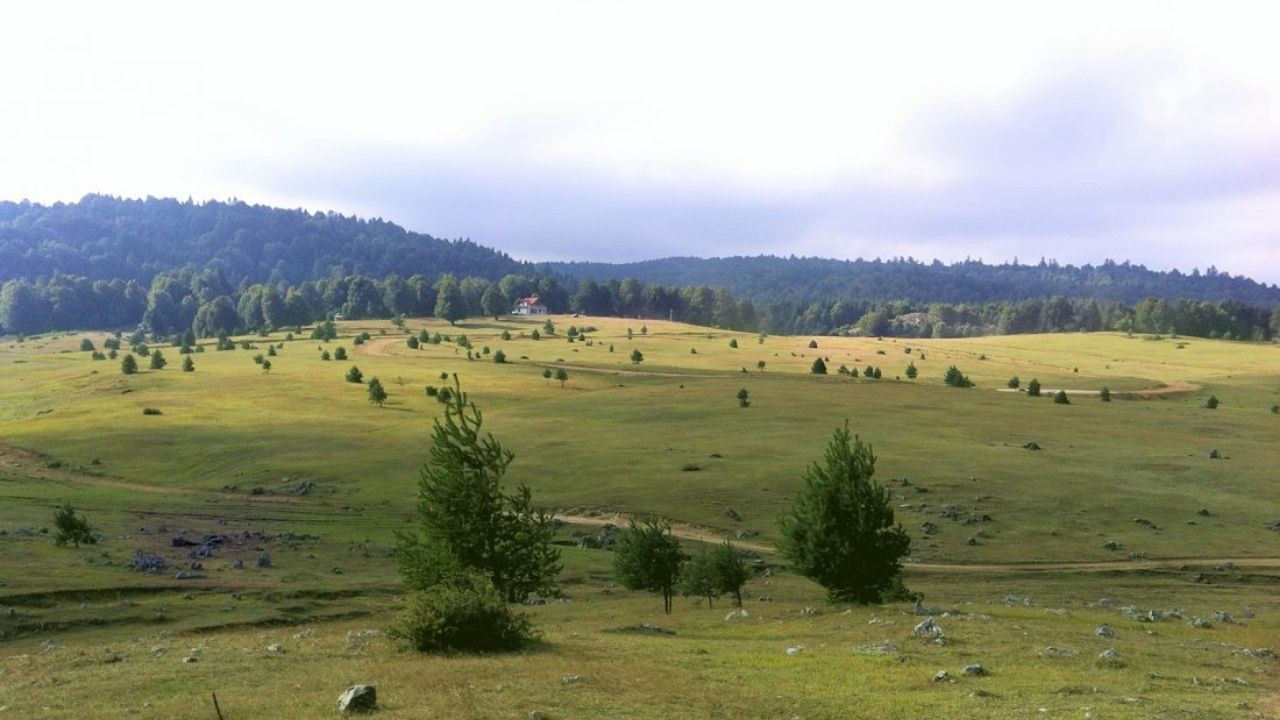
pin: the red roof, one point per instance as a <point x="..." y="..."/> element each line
<point x="525" y="302"/>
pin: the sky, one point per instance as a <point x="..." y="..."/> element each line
<point x="619" y="131"/>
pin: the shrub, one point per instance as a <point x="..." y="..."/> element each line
<point x="1014" y="383"/>
<point x="412" y="342"/>
<point x="354" y="375"/>
<point x="271" y="351"/>
<point x="1211" y="403"/>
<point x="744" y="398"/>
<point x="955" y="378"/>
<point x="714" y="572"/>
<point x="1105" y="394"/>
<point x="86" y="345"/>
<point x="357" y="340"/>
<point x="157" y="360"/>
<point x="431" y="390"/>
<point x="535" y="335"/>
<point x="813" y="344"/>
<point x="128" y="365"/>
<point x="150" y="411"/>
<point x="562" y="376"/>
<point x="465" y="613"/>
<point x="71" y="528"/>
<point x="877" y="374"/>
<point x="1061" y="398"/>
<point x="324" y="356"/>
<point x="1033" y="388"/>
<point x="188" y="365"/>
<point x="266" y="366"/>
<point x="637" y="357"/>
<point x="1275" y="409"/>
<point x="818" y="367"/>
<point x="258" y="359"/>
<point x="733" y="343"/>
<point x="377" y="393"/>
<point x="340" y="353"/>
<point x="912" y="372"/>
<point x="499" y="357"/>
<point x="506" y="335"/>
<point x="95" y="355"/>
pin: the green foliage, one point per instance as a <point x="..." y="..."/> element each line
<point x="819" y="367"/>
<point x="535" y="335"/>
<point x="86" y="345"/>
<point x="562" y="376"/>
<point x="71" y="528"/>
<point x="714" y="572"/>
<point x="506" y="334"/>
<point x="266" y="366"/>
<point x="1211" y="403"/>
<point x="412" y="342"/>
<point x="1033" y="388"/>
<point x="128" y="365"/>
<point x="271" y="351"/>
<point x="955" y="378"/>
<point x="868" y="372"/>
<point x="637" y="357"/>
<point x="1105" y="394"/>
<point x="549" y="327"/>
<point x="466" y="520"/>
<point x="877" y="374"/>
<point x="325" y="331"/>
<point x="499" y="357"/>
<point x="450" y="304"/>
<point x="648" y="557"/>
<point x="1014" y="383"/>
<point x="744" y="398"/>
<point x="1275" y="409"/>
<point x="340" y="353"/>
<point x="733" y="343"/>
<point x="911" y="372"/>
<point x="355" y="376"/>
<point x="1061" y="398"/>
<point x="464" y="613"/>
<point x="324" y="355"/>
<point x="813" y="344"/>
<point x="840" y="530"/>
<point x="546" y="373"/>
<point x="760" y="364"/>
<point x="188" y="365"/>
<point x="377" y="393"/>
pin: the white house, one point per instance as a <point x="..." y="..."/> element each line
<point x="530" y="306"/>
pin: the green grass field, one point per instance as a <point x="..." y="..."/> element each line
<point x="233" y="446"/>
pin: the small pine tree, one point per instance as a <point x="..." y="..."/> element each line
<point x="271" y="351"/>
<point x="71" y="528"/>
<point x="1211" y="403"/>
<point x="86" y="345"/>
<point x="1033" y="388"/>
<point x="266" y="366"/>
<point x="377" y="393"/>
<point x="637" y="357"/>
<point x="562" y="376"/>
<point x="506" y="335"/>
<point x="1105" y="394"/>
<point x="412" y="342"/>
<point x="324" y="355"/>
<point x="499" y="357"/>
<point x="912" y="372"/>
<point x="813" y="344"/>
<point x="546" y="374"/>
<point x="157" y="360"/>
<point x="535" y="335"/>
<point x="355" y="376"/>
<point x="818" y="367"/>
<point x="744" y="398"/>
<point x="714" y="572"/>
<point x="549" y="327"/>
<point x="733" y="343"/>
<point x="868" y="372"/>
<point x="128" y="365"/>
<point x="1061" y="398"/>
<point x="841" y="531"/>
<point x="188" y="365"/>
<point x="648" y="557"/>
<point x="1014" y="383"/>
<point x="877" y="375"/>
<point x="340" y="353"/>
<point x="955" y="378"/>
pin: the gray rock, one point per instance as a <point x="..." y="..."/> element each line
<point x="1104" y="631"/>
<point x="795" y="650"/>
<point x="737" y="614"/>
<point x="1109" y="655"/>
<point x="975" y="670"/>
<point x="570" y="680"/>
<point x="943" y="676"/>
<point x="1223" y="616"/>
<point x="275" y="648"/>
<point x="358" y="699"/>
<point x="809" y="611"/>
<point x="929" y="630"/>
<point x="1201" y="623"/>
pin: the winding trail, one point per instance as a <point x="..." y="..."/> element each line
<point x="700" y="534"/>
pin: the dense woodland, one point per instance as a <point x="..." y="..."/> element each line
<point x="168" y="267"/>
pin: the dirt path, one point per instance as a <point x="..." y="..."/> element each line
<point x="1176" y="388"/>
<point x="701" y="534"/>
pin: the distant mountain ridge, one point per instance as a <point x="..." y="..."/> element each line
<point x="801" y="280"/>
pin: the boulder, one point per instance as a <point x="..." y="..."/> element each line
<point x="943" y="676"/>
<point x="358" y="699"/>
<point x="1104" y="631"/>
<point x="737" y="614"/>
<point x="975" y="670"/>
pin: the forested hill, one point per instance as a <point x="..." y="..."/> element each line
<point x="108" y="238"/>
<point x="801" y="280"/>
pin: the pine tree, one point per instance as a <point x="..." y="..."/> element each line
<point x="912" y="372"/>
<point x="955" y="378"/>
<point x="467" y="522"/>
<point x="818" y="367"/>
<point x="1105" y="394"/>
<point x="128" y="365"/>
<point x="1033" y="388"/>
<point x="157" y="360"/>
<point x="355" y="376"/>
<point x="188" y="365"/>
<point x="841" y="531"/>
<point x="562" y="376"/>
<point x="377" y="393"/>
<point x="71" y="528"/>
<point x="648" y="557"/>
<point x="637" y="357"/>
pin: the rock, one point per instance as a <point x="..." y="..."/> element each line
<point x="110" y="657"/>
<point x="1104" y="631"/>
<point x="1223" y="616"/>
<point x="794" y="650"/>
<point x="238" y="564"/>
<point x="358" y="699"/>
<point x="264" y="561"/>
<point x="929" y="630"/>
<point x="1052" y="651"/>
<point x="974" y="670"/>
<point x="1031" y="446"/>
<point x="921" y="609"/>
<point x="1111" y="545"/>
<point x="809" y="611"/>
<point x="928" y="528"/>
<point x="1109" y="655"/>
<point x="190" y="659"/>
<point x="972" y="542"/>
<point x="48" y="646"/>
<point x="943" y="676"/>
<point x="158" y="650"/>
<point x="570" y="680"/>
<point x="356" y="638"/>
<point x="275" y="648"/>
<point x="737" y="614"/>
<point x="1201" y="623"/>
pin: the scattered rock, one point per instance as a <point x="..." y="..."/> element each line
<point x="974" y="670"/>
<point x="737" y="614"/>
<point x="943" y="676"/>
<point x="1201" y="623"/>
<point x="1052" y="651"/>
<point x="275" y="649"/>
<point x="1223" y="616"/>
<point x="358" y="699"/>
<point x="1104" y="631"/>
<point x="930" y="630"/>
<point x="1109" y="656"/>
<point x="190" y="659"/>
<point x="794" y="649"/>
<point x="110" y="657"/>
<point x="809" y="611"/>
<point x="1031" y="446"/>
<point x="570" y="680"/>
<point x="356" y="638"/>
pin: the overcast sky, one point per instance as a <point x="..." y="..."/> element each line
<point x="620" y="131"/>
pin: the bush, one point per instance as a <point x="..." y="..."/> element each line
<point x="637" y="357"/>
<point x="562" y="376"/>
<point x="431" y="390"/>
<point x="188" y="365"/>
<point x="1014" y="383"/>
<point x="744" y="398"/>
<point x="733" y="343"/>
<point x="128" y="365"/>
<point x="912" y="372"/>
<point x="499" y="357"/>
<point x="412" y="342"/>
<point x="355" y="376"/>
<point x="955" y="378"/>
<point x="818" y="367"/>
<point x="157" y="360"/>
<point x="86" y="345"/>
<point x="813" y="344"/>
<point x="1033" y="388"/>
<point x="1061" y="398"/>
<point x="1105" y="394"/>
<point x="1275" y="409"/>
<point x="325" y="356"/>
<point x="377" y="393"/>
<point x="1211" y="403"/>
<point x="150" y="411"/>
<point x="506" y="335"/>
<point x="463" y="614"/>
<point x="71" y="528"/>
<point x="340" y="353"/>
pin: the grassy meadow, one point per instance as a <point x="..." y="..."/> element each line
<point x="1121" y="506"/>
